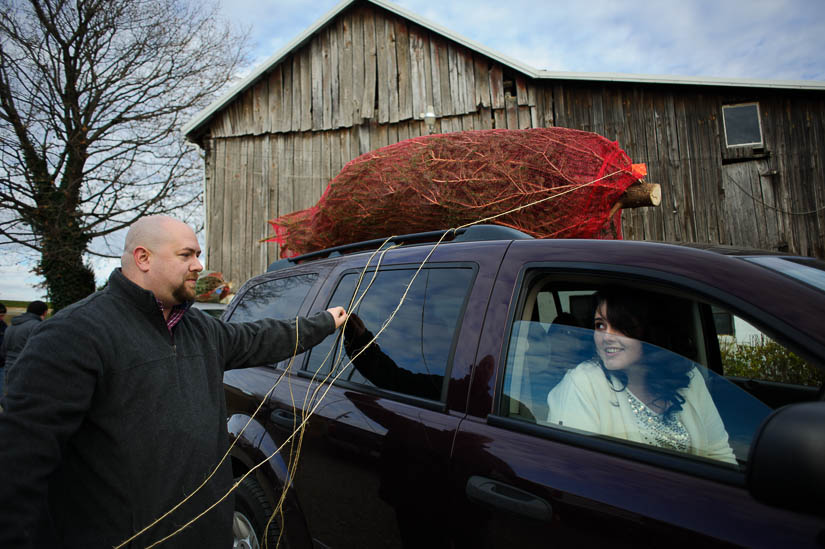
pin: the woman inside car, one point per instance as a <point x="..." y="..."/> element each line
<point x="637" y="387"/>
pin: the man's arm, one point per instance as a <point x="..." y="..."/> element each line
<point x="266" y="341"/>
<point x="381" y="370"/>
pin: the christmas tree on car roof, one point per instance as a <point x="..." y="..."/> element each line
<point x="546" y="182"/>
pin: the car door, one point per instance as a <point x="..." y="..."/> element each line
<point x="527" y="481"/>
<point x="372" y="462"/>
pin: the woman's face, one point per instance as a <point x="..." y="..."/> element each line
<point x="617" y="351"/>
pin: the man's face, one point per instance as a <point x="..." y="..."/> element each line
<point x="175" y="265"/>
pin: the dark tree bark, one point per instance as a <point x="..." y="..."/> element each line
<point x="92" y="97"/>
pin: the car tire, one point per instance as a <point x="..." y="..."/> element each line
<point x="252" y="512"/>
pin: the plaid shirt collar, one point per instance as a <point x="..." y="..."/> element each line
<point x="175" y="314"/>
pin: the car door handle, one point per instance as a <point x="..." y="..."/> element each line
<point x="506" y="497"/>
<point x="283" y="418"/>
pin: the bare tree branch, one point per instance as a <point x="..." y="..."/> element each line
<point x="92" y="95"/>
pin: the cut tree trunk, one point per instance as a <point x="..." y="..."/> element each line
<point x="639" y="195"/>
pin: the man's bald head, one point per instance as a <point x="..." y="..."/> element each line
<point x="161" y="255"/>
<point x="148" y="232"/>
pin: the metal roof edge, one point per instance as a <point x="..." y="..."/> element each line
<point x="682" y="80"/>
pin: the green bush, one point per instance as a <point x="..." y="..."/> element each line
<point x="762" y="358"/>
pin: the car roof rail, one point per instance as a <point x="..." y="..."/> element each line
<point x="474" y="233"/>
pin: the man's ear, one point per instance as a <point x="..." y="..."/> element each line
<point x="142" y="258"/>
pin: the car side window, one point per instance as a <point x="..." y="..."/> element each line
<point x="277" y="298"/>
<point x="749" y="353"/>
<point x="628" y="363"/>
<point x="411" y="353"/>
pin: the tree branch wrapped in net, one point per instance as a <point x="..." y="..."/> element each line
<point x="565" y="182"/>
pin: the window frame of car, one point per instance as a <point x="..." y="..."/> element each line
<point x="334" y="283"/>
<point x="588" y="273"/>
<point x="321" y="269"/>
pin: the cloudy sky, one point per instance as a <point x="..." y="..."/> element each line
<point x="754" y="39"/>
<point x="757" y="39"/>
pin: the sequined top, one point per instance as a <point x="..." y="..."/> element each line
<point x="662" y="430"/>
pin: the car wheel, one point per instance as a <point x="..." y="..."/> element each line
<point x="252" y="512"/>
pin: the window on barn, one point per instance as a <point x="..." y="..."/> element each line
<point x="743" y="128"/>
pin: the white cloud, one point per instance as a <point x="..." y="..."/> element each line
<point x="18" y="283"/>
<point x="730" y="38"/>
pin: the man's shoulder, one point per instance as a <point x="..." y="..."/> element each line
<point x="92" y="309"/>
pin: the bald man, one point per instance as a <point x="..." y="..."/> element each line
<point x="116" y="411"/>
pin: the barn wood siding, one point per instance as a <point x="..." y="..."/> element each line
<point x="371" y="64"/>
<point x="365" y="80"/>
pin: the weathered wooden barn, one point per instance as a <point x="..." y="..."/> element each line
<point x="740" y="162"/>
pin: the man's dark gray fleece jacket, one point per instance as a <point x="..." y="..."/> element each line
<point x="118" y="420"/>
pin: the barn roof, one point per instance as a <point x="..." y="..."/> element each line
<point x="204" y="116"/>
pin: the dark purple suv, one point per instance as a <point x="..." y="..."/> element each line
<point x="476" y="413"/>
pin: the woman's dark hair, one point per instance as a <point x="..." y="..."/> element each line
<point x="647" y="317"/>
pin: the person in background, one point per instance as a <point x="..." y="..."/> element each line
<point x="18" y="334"/>
<point x="116" y="411"/>
<point x="3" y="327"/>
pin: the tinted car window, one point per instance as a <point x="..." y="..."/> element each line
<point x="570" y="374"/>
<point x="747" y="352"/>
<point x="412" y="353"/>
<point x="278" y="298"/>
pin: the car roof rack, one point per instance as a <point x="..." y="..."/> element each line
<point x="474" y="233"/>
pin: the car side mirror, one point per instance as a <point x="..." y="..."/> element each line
<point x="786" y="465"/>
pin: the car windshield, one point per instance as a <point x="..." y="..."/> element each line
<point x="808" y="270"/>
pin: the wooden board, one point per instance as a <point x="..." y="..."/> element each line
<point x="344" y="113"/>
<point x="271" y="177"/>
<point x="382" y="47"/>
<point x="511" y="112"/>
<point x="358" y="63"/>
<point x="334" y="118"/>
<point x="418" y="73"/>
<point x="481" y="68"/>
<point x="303" y="93"/>
<point x="436" y="71"/>
<point x="276" y="91"/>
<point x="216" y="204"/>
<point x="230" y="182"/>
<point x="392" y="70"/>
<point x="497" y="87"/>
<point x="405" y="68"/>
<point x="455" y="96"/>
<point x="370" y="66"/>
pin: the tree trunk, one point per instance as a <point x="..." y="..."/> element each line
<point x="63" y="244"/>
<point x="67" y="278"/>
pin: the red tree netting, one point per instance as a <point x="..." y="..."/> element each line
<point x="449" y="180"/>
